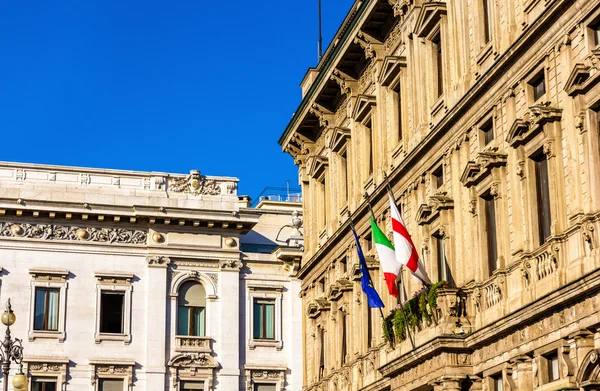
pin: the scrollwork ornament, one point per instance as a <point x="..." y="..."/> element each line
<point x="194" y="184"/>
<point x="520" y="169"/>
<point x="73" y="233"/>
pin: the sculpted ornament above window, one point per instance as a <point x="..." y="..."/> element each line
<point x="194" y="184"/>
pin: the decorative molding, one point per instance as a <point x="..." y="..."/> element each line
<point x="476" y="171"/>
<point x="194" y="184"/>
<point x="158" y="261"/>
<point x="49" y="275"/>
<point x="429" y="17"/>
<point x="194" y="360"/>
<point x="427" y="213"/>
<point x="72" y="233"/>
<point x="339" y="138"/>
<point x="391" y="68"/>
<point x="363" y="106"/>
<point x="107" y="277"/>
<point x="230" y="264"/>
<point x="524" y="129"/>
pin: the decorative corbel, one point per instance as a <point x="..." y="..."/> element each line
<point x="346" y="83"/>
<point x="322" y="114"/>
<point x="370" y="45"/>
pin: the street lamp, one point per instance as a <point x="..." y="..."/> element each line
<point x="12" y="350"/>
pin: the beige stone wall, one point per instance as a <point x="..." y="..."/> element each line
<point x="335" y="141"/>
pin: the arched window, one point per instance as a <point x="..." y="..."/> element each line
<point x="191" y="309"/>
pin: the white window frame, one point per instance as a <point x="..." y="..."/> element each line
<point x="46" y="367"/>
<point x="114" y="282"/>
<point x="264" y="374"/>
<point x="264" y="292"/>
<point x="48" y="278"/>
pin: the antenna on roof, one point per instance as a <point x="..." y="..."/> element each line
<point x="320" y="44"/>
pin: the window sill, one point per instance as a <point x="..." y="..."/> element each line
<point x="485" y="53"/>
<point x="265" y="343"/>
<point x="185" y="343"/>
<point x="125" y="338"/>
<point x="437" y="106"/>
<point x="42" y="334"/>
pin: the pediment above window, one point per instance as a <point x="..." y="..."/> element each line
<point x="339" y="138"/>
<point x="476" y="171"/>
<point x="362" y="108"/>
<point x="429" y="17"/>
<point x="390" y="69"/>
<point x="430" y="211"/>
<point x="193" y="360"/>
<point x="315" y="307"/>
<point x="581" y="79"/>
<point x="317" y="166"/>
<point x="336" y="290"/>
<point x="524" y="129"/>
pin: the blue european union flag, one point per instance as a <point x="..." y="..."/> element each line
<point x="365" y="279"/>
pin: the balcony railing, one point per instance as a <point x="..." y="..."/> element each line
<point x="192" y="344"/>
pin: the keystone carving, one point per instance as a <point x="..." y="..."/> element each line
<point x="194" y="184"/>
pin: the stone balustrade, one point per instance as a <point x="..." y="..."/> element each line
<point x="192" y="344"/>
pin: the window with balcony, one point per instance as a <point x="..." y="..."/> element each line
<point x="46" y="309"/>
<point x="543" y="196"/>
<point x="191" y="310"/>
<point x="43" y="384"/>
<point x="264" y="318"/>
<point x="490" y="232"/>
<point x="443" y="269"/>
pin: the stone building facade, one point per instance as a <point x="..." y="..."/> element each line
<point x="485" y="116"/>
<point x="126" y="280"/>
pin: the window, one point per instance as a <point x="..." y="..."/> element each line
<point x="344" y="173"/>
<point x="369" y="327"/>
<point x="497" y="384"/>
<point x="442" y="263"/>
<point x="191" y="385"/>
<point x="487" y="20"/>
<point x="264" y="387"/>
<point x="191" y="310"/>
<point x="321" y="353"/>
<point x="487" y="131"/>
<point x="322" y="285"/>
<point x="43" y="384"/>
<point x="343" y="265"/>
<point x="438" y="177"/>
<point x="543" y="196"/>
<point x="323" y="205"/>
<point x="110" y="385"/>
<point x="490" y="232"/>
<point x="344" y="347"/>
<point x="264" y="318"/>
<point x="46" y="309"/>
<point x="111" y="312"/>
<point x="538" y="86"/>
<point x="399" y="110"/>
<point x="369" y="126"/>
<point x="437" y="54"/>
<point x="368" y="242"/>
<point x="595" y="27"/>
<point x="553" y="372"/>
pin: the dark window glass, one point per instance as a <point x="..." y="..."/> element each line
<point x="111" y="312"/>
<point x="322" y="353"/>
<point x="553" y="372"/>
<point x="538" y="84"/>
<point x="487" y="130"/>
<point x="399" y="100"/>
<point x="368" y="242"/>
<point x="442" y="263"/>
<point x="46" y="309"/>
<point x="437" y="52"/>
<point x="324" y="202"/>
<point x="343" y="265"/>
<point x="43" y="384"/>
<point x="344" y="338"/>
<point x="322" y="283"/>
<point x="543" y="196"/>
<point x="344" y="172"/>
<point x="438" y="177"/>
<point x="369" y="327"/>
<point x="490" y="232"/>
<point x="264" y="318"/>
<point x="369" y="126"/>
<point x="595" y="27"/>
<point x="497" y="383"/>
<point x="487" y="20"/>
<point x="110" y="385"/>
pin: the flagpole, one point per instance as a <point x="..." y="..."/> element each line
<point x="401" y="273"/>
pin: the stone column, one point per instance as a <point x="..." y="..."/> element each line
<point x="450" y="383"/>
<point x="156" y="322"/>
<point x="229" y="338"/>
<point x="523" y="367"/>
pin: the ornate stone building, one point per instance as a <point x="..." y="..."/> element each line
<point x="485" y="116"/>
<point x="126" y="280"/>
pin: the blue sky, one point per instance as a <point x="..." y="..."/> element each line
<point x="158" y="85"/>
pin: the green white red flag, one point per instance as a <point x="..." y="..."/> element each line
<point x="405" y="251"/>
<point x="387" y="258"/>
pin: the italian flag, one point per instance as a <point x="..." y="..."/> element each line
<point x="387" y="258"/>
<point x="406" y="252"/>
